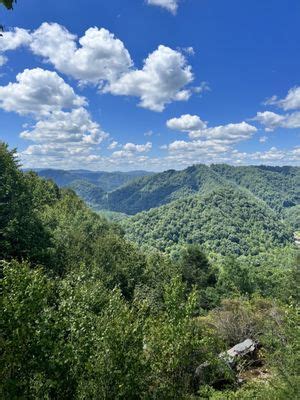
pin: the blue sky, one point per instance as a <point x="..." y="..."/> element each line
<point x="151" y="84"/>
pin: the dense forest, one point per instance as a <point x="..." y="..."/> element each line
<point x="88" y="314"/>
<point x="133" y="192"/>
<point x="225" y="209"/>
<point x="227" y="220"/>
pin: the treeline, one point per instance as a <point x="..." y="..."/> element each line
<point x="85" y="314"/>
<point x="133" y="192"/>
<point x="227" y="220"/>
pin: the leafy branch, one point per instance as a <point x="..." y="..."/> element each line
<point x="8" y="3"/>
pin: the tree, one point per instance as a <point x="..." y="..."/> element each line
<point x="22" y="232"/>
<point x="8" y="3"/>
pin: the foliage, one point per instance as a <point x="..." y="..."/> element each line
<point x="8" y="3"/>
<point x="226" y="220"/>
<point x="85" y="314"/>
<point x="82" y="179"/>
<point x="278" y="187"/>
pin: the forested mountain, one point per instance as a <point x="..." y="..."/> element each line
<point x="107" y="181"/>
<point x="279" y="187"/>
<point x="136" y="191"/>
<point x="227" y="220"/>
<point x="162" y="188"/>
<point x="87" y="314"/>
<point x="226" y="209"/>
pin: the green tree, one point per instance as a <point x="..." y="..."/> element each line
<point x="22" y="232"/>
<point x="8" y="3"/>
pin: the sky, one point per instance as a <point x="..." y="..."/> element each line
<point x="151" y="84"/>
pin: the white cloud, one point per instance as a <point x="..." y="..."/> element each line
<point x="3" y="60"/>
<point x="184" y="153"/>
<point x="272" y="120"/>
<point x="263" y="139"/>
<point x="66" y="127"/>
<point x="232" y="133"/>
<point x="130" y="150"/>
<point x="64" y="140"/>
<point x="139" y="148"/>
<point x="58" y="155"/>
<point x="13" y="39"/>
<point x="272" y="156"/>
<point x="38" y="92"/>
<point x="149" y="133"/>
<point x="112" y="145"/>
<point x="170" y="5"/>
<point x="100" y="56"/>
<point x="161" y="80"/>
<point x="186" y="123"/>
<point x="290" y="102"/>
<point x="189" y="50"/>
<point x="207" y="144"/>
<point x="198" y="145"/>
<point x="196" y="128"/>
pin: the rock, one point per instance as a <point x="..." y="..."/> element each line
<point x="229" y="359"/>
<point x="242" y="349"/>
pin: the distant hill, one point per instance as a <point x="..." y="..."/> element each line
<point x="107" y="181"/>
<point x="92" y="194"/>
<point x="227" y="220"/>
<point x="89" y="185"/>
<point x="129" y="193"/>
<point x="162" y="188"/>
<point x="279" y="187"/>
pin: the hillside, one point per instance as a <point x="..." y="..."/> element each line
<point x="227" y="220"/>
<point x="89" y="192"/>
<point x="107" y="181"/>
<point x="279" y="187"/>
<point x="162" y="188"/>
<point x="85" y="313"/>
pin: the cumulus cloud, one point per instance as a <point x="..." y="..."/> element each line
<point x="13" y="39"/>
<point x="271" y="120"/>
<point x="38" y="92"/>
<point x="129" y="150"/>
<point x="207" y="144"/>
<point x="66" y="127"/>
<point x="273" y="156"/>
<point x="231" y="133"/>
<point x="198" y="145"/>
<point x="64" y="140"/>
<point x="186" y="123"/>
<point x="170" y="5"/>
<point x="196" y="128"/>
<point x="290" y="102"/>
<point x="58" y="155"/>
<point x="99" y="57"/>
<point x="184" y="153"/>
<point x="63" y="128"/>
<point x="112" y="145"/>
<point x="161" y="80"/>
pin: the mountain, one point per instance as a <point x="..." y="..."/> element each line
<point x="89" y="192"/>
<point x="91" y="186"/>
<point x="227" y="220"/>
<point x="279" y="187"/>
<point x="162" y="188"/>
<point x="107" y="181"/>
